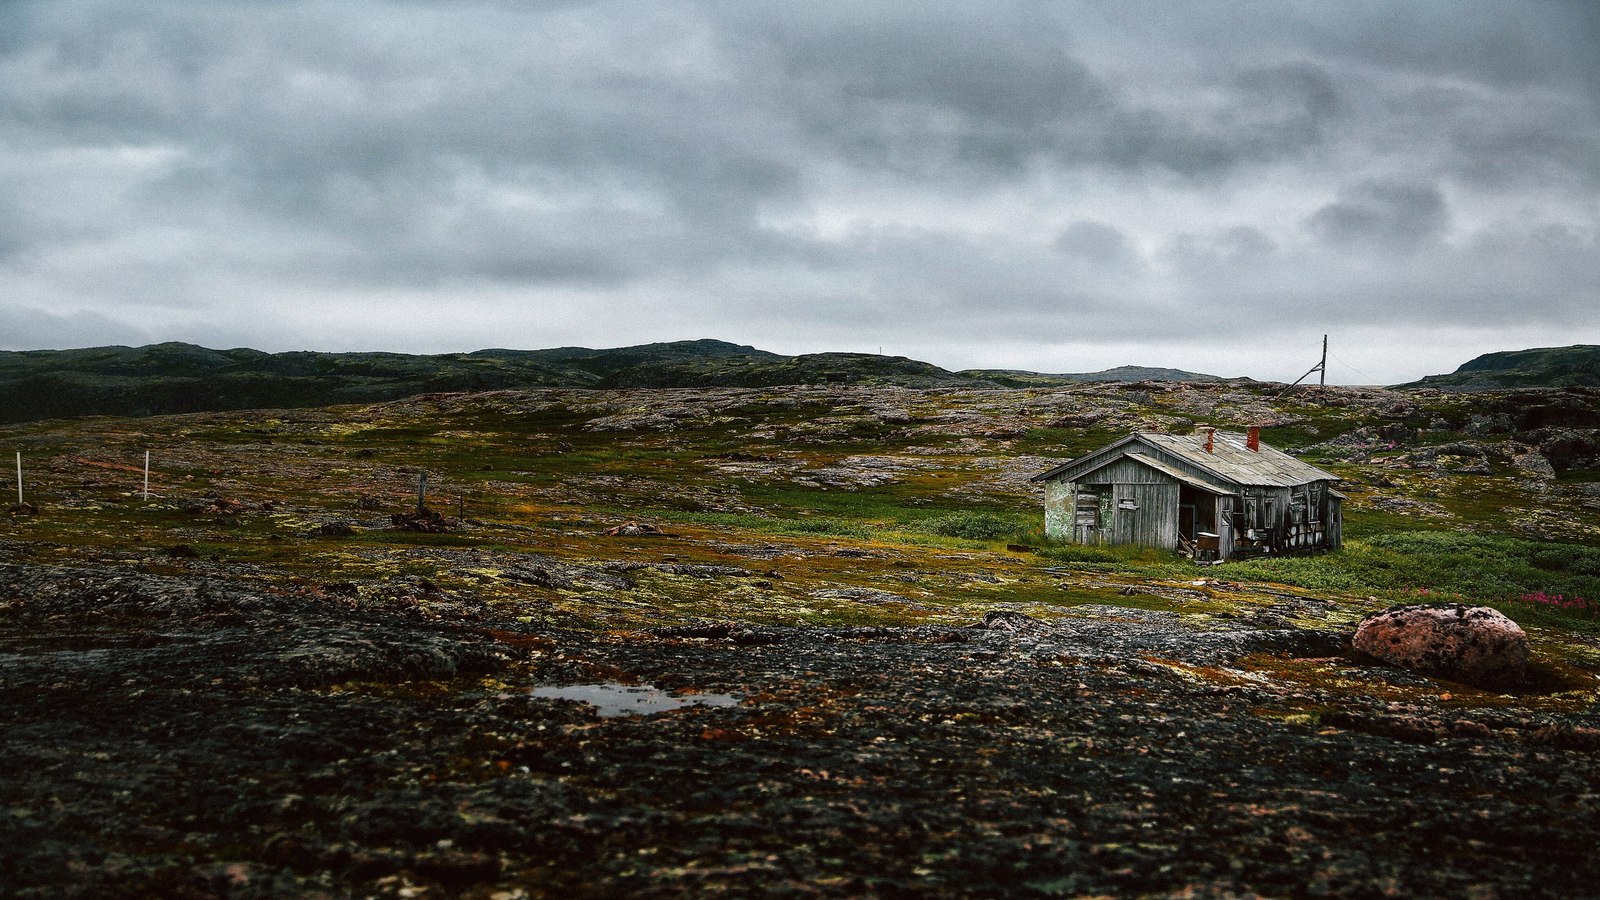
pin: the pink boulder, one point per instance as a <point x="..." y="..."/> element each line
<point x="1470" y="644"/>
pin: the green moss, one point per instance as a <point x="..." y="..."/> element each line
<point x="974" y="526"/>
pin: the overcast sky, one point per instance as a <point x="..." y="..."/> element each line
<point x="1043" y="185"/>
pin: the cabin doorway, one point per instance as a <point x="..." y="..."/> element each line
<point x="1199" y="526"/>
<point x="1186" y="520"/>
<point x="1197" y="513"/>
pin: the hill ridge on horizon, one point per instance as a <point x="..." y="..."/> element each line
<point x="178" y="377"/>
<point x="1575" y="365"/>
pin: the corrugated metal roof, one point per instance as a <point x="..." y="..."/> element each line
<point x="1231" y="459"/>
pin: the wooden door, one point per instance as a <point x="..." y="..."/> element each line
<point x="1086" y="519"/>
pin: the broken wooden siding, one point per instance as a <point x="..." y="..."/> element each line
<point x="1143" y="505"/>
<point x="1335" y="521"/>
<point x="1303" y="517"/>
<point x="1227" y="534"/>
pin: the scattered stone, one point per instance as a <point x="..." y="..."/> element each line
<point x="860" y="595"/>
<point x="334" y="529"/>
<point x="1015" y="623"/>
<point x="1534" y="465"/>
<point x="709" y="631"/>
<point x="635" y="529"/>
<point x="1565" y="736"/>
<point x="855" y="740"/>
<point x="424" y="520"/>
<point x="1474" y="645"/>
<point x="733" y="632"/>
<point x="539" y="577"/>
<point x="1571" y="449"/>
<point x="696" y="570"/>
<point x="1411" y="729"/>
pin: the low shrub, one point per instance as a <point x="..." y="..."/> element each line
<point x="972" y="526"/>
<point x="1474" y="567"/>
<point x="1079" y="553"/>
<point x="823" y="526"/>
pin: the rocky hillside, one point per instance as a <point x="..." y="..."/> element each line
<point x="180" y="378"/>
<point x="1574" y="366"/>
<point x="840" y="661"/>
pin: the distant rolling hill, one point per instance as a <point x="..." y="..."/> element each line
<point x="1574" y="366"/>
<point x="177" y="378"/>
<point x="1015" y="378"/>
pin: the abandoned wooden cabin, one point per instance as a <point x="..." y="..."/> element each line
<point x="1211" y="494"/>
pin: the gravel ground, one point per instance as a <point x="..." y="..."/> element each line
<point x="190" y="738"/>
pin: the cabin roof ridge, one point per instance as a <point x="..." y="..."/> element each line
<point x="1225" y="455"/>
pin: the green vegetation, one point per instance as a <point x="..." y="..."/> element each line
<point x="1574" y="366"/>
<point x="1425" y="566"/>
<point x="974" y="526"/>
<point x="814" y="493"/>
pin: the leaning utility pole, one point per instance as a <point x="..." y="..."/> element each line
<point x="1320" y="368"/>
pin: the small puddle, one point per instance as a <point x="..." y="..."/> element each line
<point x="611" y="698"/>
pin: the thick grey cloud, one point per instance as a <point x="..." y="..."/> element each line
<point x="1029" y="184"/>
<point x="1098" y="245"/>
<point x="1382" y="215"/>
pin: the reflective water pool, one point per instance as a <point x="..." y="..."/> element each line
<point x="611" y="698"/>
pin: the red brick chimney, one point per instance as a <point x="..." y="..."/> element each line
<point x="1253" y="440"/>
<point x="1211" y="438"/>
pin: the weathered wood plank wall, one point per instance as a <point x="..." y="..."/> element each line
<point x="1145" y="515"/>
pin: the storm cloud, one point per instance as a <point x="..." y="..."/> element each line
<point x="1028" y="184"/>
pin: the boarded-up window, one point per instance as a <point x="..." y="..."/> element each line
<point x="1087" y="513"/>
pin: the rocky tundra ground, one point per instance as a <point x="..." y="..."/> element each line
<point x="847" y="666"/>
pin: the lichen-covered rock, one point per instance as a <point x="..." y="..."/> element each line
<point x="1016" y="623"/>
<point x="1471" y="644"/>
